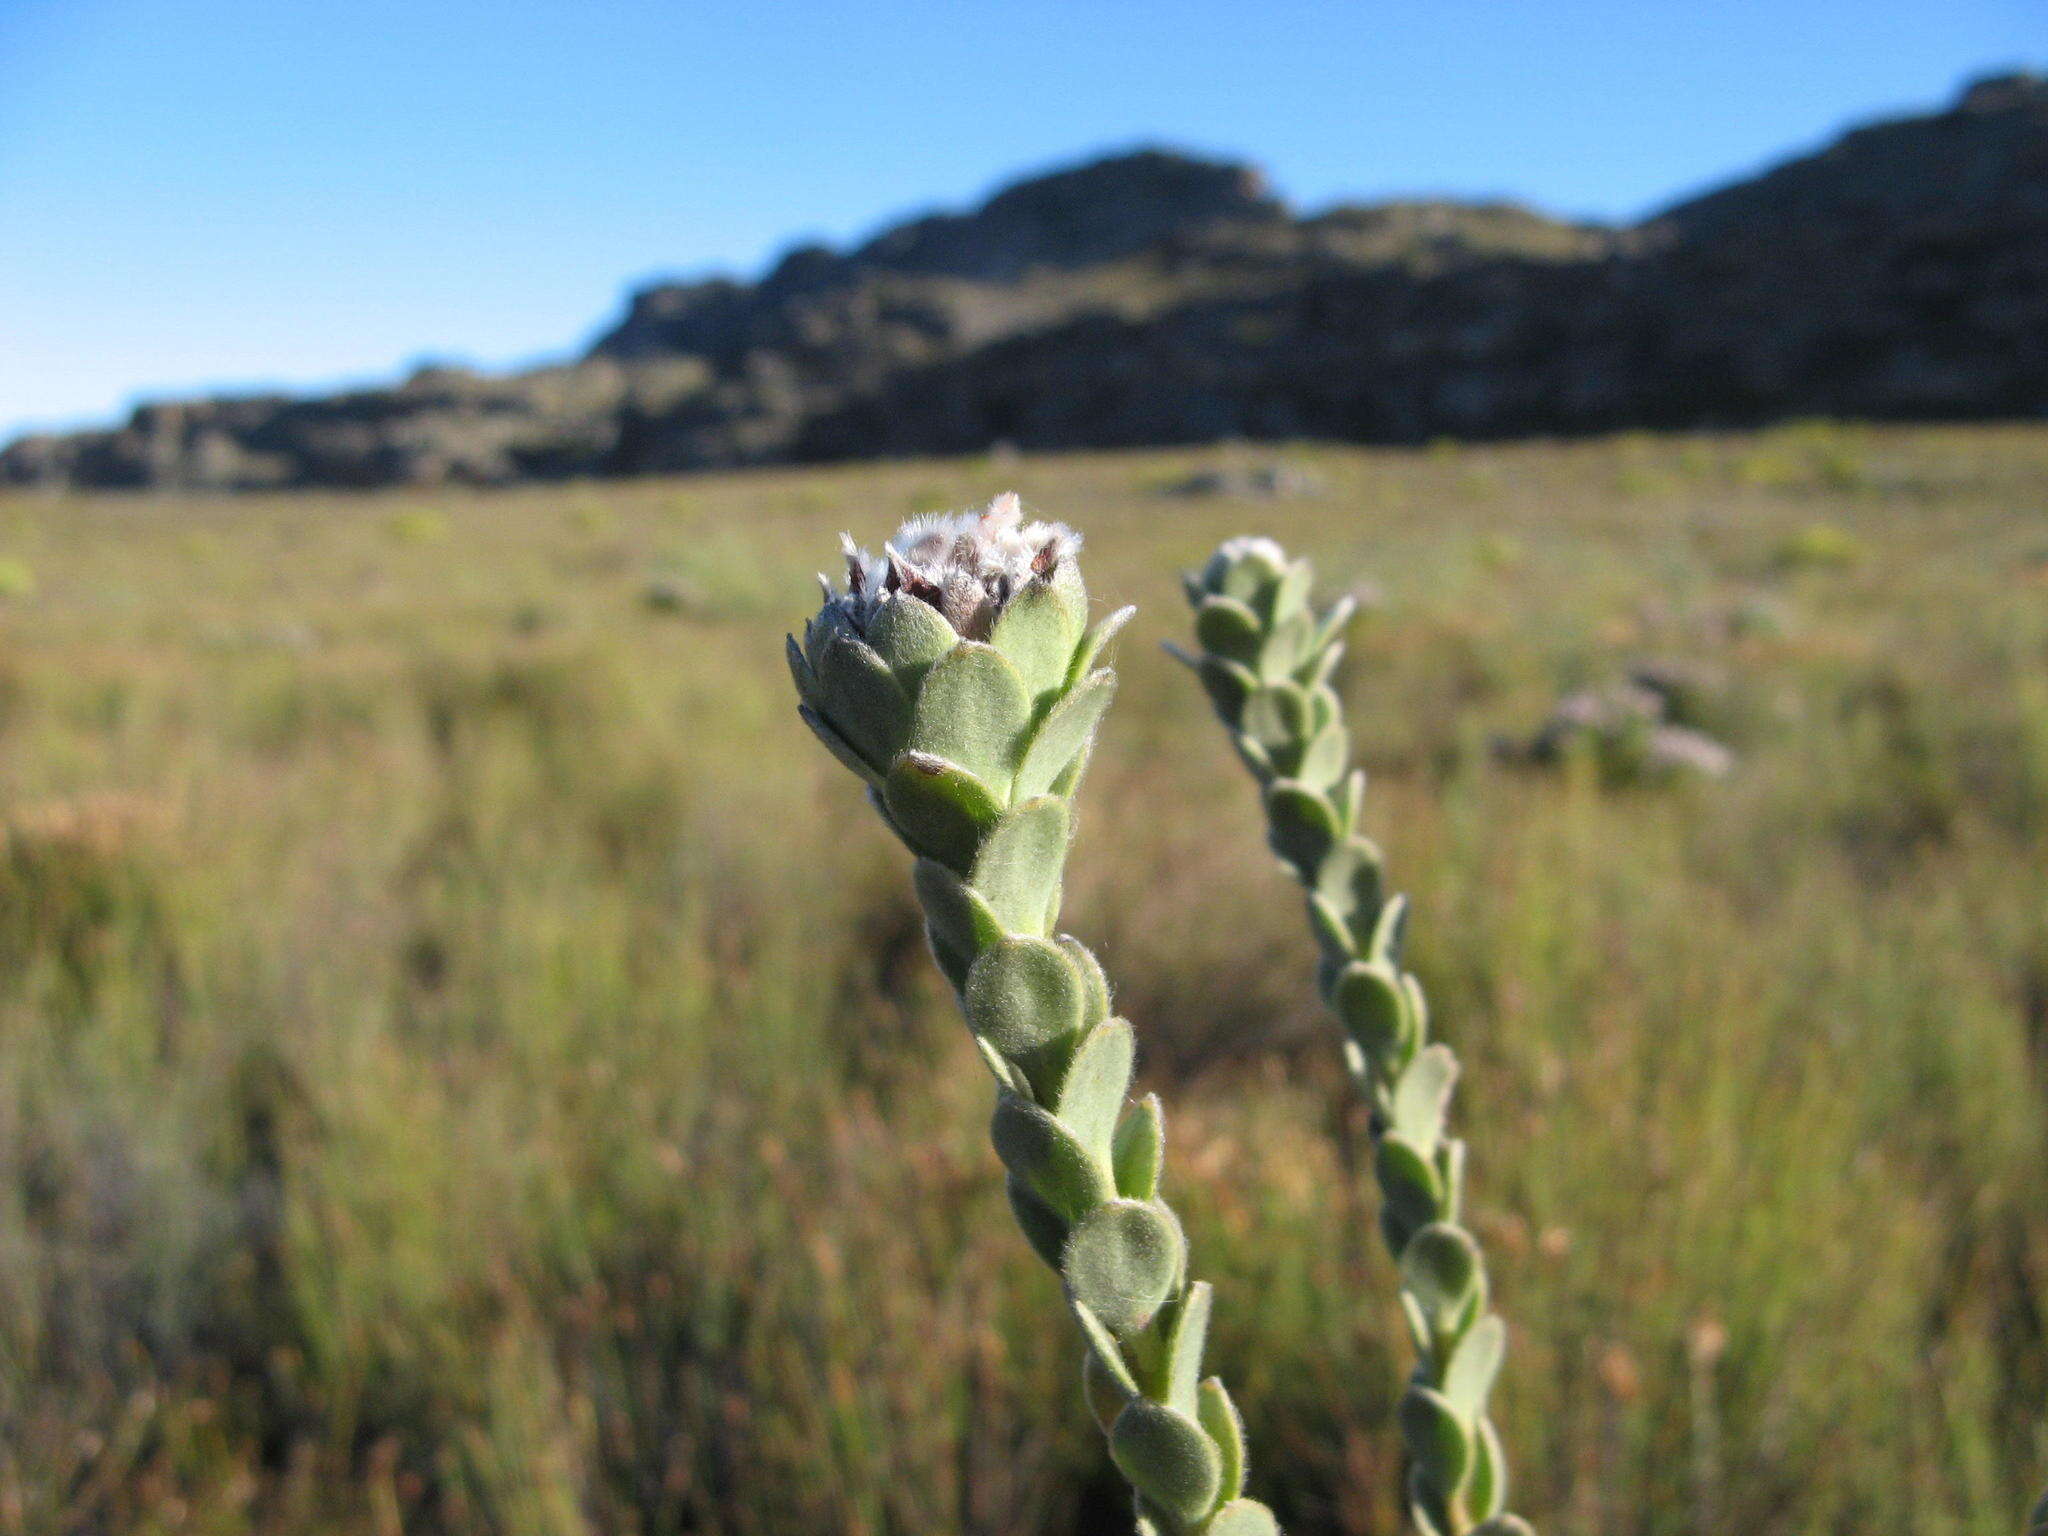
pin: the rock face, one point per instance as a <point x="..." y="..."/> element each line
<point x="1153" y="298"/>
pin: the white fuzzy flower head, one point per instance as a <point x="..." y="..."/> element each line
<point x="1234" y="550"/>
<point x="968" y="565"/>
<point x="1227" y="565"/>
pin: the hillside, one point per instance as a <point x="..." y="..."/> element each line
<point x="1901" y="272"/>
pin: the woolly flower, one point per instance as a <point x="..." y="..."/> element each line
<point x="968" y="565"/>
<point x="1241" y="560"/>
<point x="1234" y="550"/>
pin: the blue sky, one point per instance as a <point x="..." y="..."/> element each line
<point x="223" y="193"/>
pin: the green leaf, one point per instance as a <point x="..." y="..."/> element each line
<point x="1245" y="573"/>
<point x="1018" y="868"/>
<point x="838" y="745"/>
<point x="1067" y="585"/>
<point x="1408" y="1181"/>
<point x="909" y="634"/>
<point x="1289" y="595"/>
<point x="972" y="710"/>
<point x="1322" y="763"/>
<point x="954" y="910"/>
<point x="1389" y="931"/>
<point x="1097" y="1080"/>
<point x="1286" y="648"/>
<point x="1044" y="1157"/>
<point x="1441" y="1268"/>
<point x="1229" y="684"/>
<point x="1394" y="1228"/>
<point x="1096" y="641"/>
<point x="1275" y="716"/>
<point x="1349" y="876"/>
<point x="1242" y="1517"/>
<point x="1121" y="1261"/>
<point x="1422" y="1096"/>
<point x="1227" y="628"/>
<point x="1103" y="1346"/>
<point x="1356" y="1066"/>
<point x="1094" y="984"/>
<point x="1302" y="825"/>
<point x="941" y="809"/>
<point x="953" y="961"/>
<point x="1440" y="1444"/>
<point x="1168" y="1458"/>
<point x="1066" y="731"/>
<point x="1336" y="618"/>
<point x="1503" y="1525"/>
<point x="1418" y="1006"/>
<point x="1139" y="1149"/>
<point x="1450" y="1162"/>
<point x="830" y="623"/>
<point x="1351" y="798"/>
<point x="1037" y="632"/>
<point x="1323" y="708"/>
<point x="1023" y="995"/>
<point x="800" y="672"/>
<point x="1052" y="905"/>
<point x="1006" y="1075"/>
<point x="1338" y="942"/>
<point x="1069" y="779"/>
<point x="1426" y="1505"/>
<point x="1367" y="999"/>
<point x="1418" y="1325"/>
<point x="1186" y="1338"/>
<point x="861" y="698"/>
<point x="1106" y="1392"/>
<point x="1488" y="1490"/>
<point x="1219" y="1416"/>
<point x="1044" y="1228"/>
<point x="1316" y="678"/>
<point x="1475" y="1363"/>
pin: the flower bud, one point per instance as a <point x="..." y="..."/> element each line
<point x="1242" y="566"/>
<point x="956" y="664"/>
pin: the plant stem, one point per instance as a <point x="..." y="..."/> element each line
<point x="1266" y="661"/>
<point x="958" y="678"/>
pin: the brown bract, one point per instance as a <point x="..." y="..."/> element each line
<point x="968" y="565"/>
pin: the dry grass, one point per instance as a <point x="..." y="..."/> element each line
<point x="467" y="1063"/>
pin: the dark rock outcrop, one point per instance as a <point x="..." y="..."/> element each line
<point x="1902" y="272"/>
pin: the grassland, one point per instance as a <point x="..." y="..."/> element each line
<point x="468" y="1064"/>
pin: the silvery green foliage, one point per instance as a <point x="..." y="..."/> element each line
<point x="957" y="675"/>
<point x="1266" y="660"/>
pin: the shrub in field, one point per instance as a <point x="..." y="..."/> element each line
<point x="1807" y="457"/>
<point x="957" y="676"/>
<point x="417" y="525"/>
<point x="1266" y="663"/>
<point x="1818" y="547"/>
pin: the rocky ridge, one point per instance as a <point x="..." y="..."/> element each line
<point x="1900" y="272"/>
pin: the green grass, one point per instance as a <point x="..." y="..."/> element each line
<point x="468" y="1063"/>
